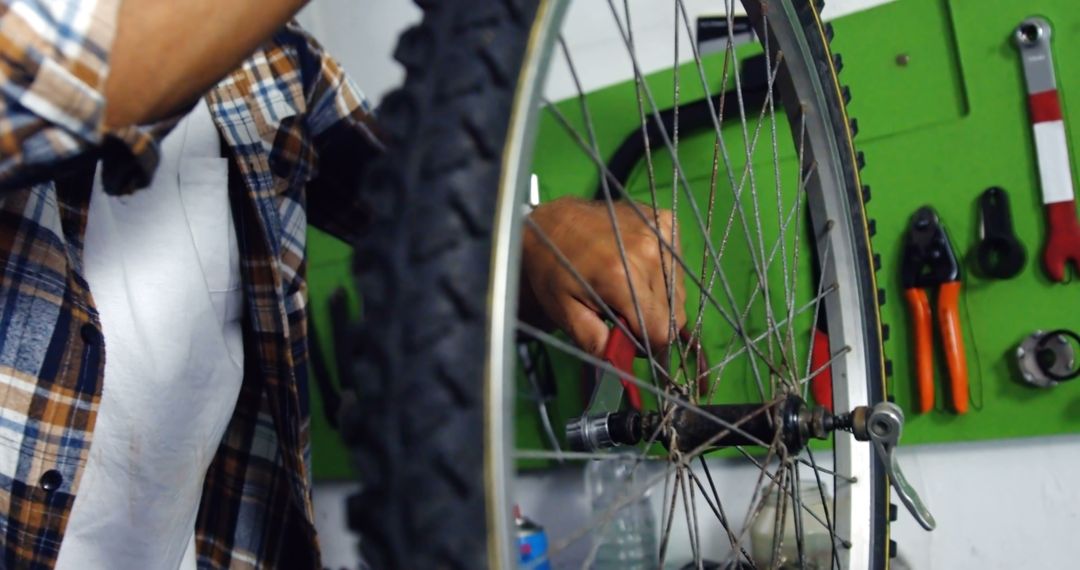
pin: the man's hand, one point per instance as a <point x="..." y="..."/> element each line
<point x="582" y="232"/>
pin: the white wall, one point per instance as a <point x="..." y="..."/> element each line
<point x="999" y="505"/>
<point x="362" y="36"/>
<point x="1004" y="505"/>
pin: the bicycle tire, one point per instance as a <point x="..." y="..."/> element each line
<point x="418" y="424"/>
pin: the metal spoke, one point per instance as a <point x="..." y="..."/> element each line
<point x="784" y="221"/>
<point x="827" y="471"/>
<point x="718" y="508"/>
<point x="728" y="427"/>
<point x="668" y="516"/>
<point x="780" y="516"/>
<point x="824" y="504"/>
<point x="593" y="295"/>
<point x="638" y="79"/>
<point x="683" y="183"/>
<point x="828" y="363"/>
<point x="750" y="302"/>
<point x="762" y="274"/>
<point x="756" y="504"/>
<point x="796" y="494"/>
<point x="737" y="208"/>
<point x="789" y="277"/>
<point x="690" y="508"/>
<point x="674" y="465"/>
<point x="667" y="247"/>
<point x="605" y="517"/>
<point x="652" y="179"/>
<point x="669" y="275"/>
<point x="729" y="56"/>
<point x="791" y="280"/>
<point x="813" y="304"/>
<point x="842" y="541"/>
<point x="610" y="208"/>
<point x="746" y="139"/>
<point x="823" y="270"/>
<point x="554" y="342"/>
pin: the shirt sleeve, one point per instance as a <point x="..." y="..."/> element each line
<point x="54" y="60"/>
<point x="346" y="139"/>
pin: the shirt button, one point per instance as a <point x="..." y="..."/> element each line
<point x="90" y="334"/>
<point x="51" y="480"/>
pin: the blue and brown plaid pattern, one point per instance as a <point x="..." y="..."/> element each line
<point x="298" y="134"/>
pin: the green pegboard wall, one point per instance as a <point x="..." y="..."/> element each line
<point x="329" y="262"/>
<point x="939" y="97"/>
<point x="981" y="138"/>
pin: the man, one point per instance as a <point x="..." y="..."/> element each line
<point x="159" y="163"/>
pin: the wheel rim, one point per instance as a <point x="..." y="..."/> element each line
<point x="852" y="326"/>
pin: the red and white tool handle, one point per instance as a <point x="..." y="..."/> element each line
<point x="1032" y="38"/>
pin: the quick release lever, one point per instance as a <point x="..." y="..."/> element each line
<point x="885" y="426"/>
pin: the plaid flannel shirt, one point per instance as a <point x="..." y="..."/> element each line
<point x="297" y="133"/>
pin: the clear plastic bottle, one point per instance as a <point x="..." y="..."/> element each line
<point x="629" y="540"/>
<point x="817" y="549"/>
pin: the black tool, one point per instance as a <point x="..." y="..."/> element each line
<point x="999" y="254"/>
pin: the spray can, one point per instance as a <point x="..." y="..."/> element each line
<point x="532" y="543"/>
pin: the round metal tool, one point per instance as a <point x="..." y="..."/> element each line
<point x="1047" y="358"/>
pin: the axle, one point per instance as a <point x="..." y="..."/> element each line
<point x="790" y="422"/>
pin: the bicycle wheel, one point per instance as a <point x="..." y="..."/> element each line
<point x="783" y="243"/>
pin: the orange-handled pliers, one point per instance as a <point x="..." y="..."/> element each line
<point x="930" y="262"/>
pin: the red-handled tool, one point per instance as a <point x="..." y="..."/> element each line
<point x="620" y="352"/>
<point x="604" y="424"/>
<point x="1032" y="38"/>
<point x="930" y="262"/>
<point x="820" y="357"/>
<point x="821" y="381"/>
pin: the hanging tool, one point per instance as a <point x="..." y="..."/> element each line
<point x="929" y="261"/>
<point x="821" y="381"/>
<point x="1032" y="38"/>
<point x="998" y="254"/>
<point x="1046" y="359"/>
<point x="820" y="350"/>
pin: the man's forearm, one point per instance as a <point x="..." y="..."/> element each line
<point x="167" y="54"/>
